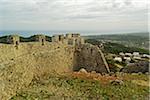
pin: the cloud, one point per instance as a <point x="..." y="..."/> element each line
<point x="104" y="13"/>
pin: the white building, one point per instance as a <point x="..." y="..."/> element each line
<point x="137" y="58"/>
<point x="127" y="59"/>
<point x="146" y="55"/>
<point x="128" y="54"/>
<point x="121" y="54"/>
<point x="118" y="59"/>
<point x="136" y="53"/>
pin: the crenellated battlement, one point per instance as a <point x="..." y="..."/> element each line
<point x="68" y="39"/>
<point x="13" y="39"/>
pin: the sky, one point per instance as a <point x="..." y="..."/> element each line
<point x="75" y="15"/>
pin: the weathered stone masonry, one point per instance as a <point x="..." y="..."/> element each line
<point x="84" y="55"/>
<point x="36" y="59"/>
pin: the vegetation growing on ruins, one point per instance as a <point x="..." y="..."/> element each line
<point x="30" y="73"/>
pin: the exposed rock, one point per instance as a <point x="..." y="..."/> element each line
<point x="139" y="73"/>
<point x="134" y="73"/>
<point x="93" y="72"/>
<point x="117" y="82"/>
<point x="142" y="67"/>
<point x="99" y="74"/>
<point x="147" y="73"/>
<point x="82" y="70"/>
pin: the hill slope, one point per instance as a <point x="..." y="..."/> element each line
<point x="132" y="40"/>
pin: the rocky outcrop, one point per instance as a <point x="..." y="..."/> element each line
<point x="117" y="82"/>
<point x="82" y="71"/>
<point x="137" y="67"/>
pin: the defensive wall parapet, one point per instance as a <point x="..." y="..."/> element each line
<point x="68" y="39"/>
<point x="18" y="67"/>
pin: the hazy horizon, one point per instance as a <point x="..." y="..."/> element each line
<point x="50" y="33"/>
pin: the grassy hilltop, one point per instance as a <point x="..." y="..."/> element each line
<point x="80" y="86"/>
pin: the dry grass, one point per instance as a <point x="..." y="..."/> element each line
<point x="80" y="86"/>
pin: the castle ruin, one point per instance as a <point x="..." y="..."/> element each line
<point x="32" y="60"/>
<point x="85" y="55"/>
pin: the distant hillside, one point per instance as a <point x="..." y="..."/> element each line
<point x="146" y="34"/>
<point x="132" y="40"/>
<point x="3" y="39"/>
<point x="116" y="48"/>
<point x="118" y="36"/>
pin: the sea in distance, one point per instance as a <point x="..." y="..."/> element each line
<point x="49" y="33"/>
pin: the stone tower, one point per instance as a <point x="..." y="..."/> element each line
<point x="13" y="39"/>
<point x="74" y="39"/>
<point x="69" y="39"/>
<point x="76" y="35"/>
<point x="55" y="38"/>
<point x="61" y="37"/>
<point x="40" y="38"/>
<point x="68" y="36"/>
<point x="58" y="38"/>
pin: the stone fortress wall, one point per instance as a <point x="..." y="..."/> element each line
<point x="21" y="62"/>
